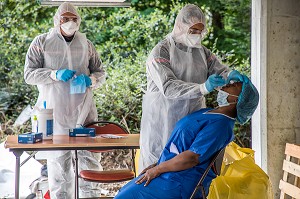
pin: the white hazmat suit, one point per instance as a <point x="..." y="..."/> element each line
<point x="48" y="53"/>
<point x="176" y="75"/>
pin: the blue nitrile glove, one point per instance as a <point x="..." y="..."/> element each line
<point x="214" y="81"/>
<point x="235" y="76"/>
<point x="65" y="74"/>
<point x="88" y="80"/>
<point x="78" y="85"/>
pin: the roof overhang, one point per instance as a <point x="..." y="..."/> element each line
<point x="88" y="3"/>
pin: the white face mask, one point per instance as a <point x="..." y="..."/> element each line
<point x="193" y="40"/>
<point x="222" y="98"/>
<point x="69" y="28"/>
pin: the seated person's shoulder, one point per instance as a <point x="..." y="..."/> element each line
<point x="197" y="114"/>
<point x="194" y="119"/>
<point x="202" y="119"/>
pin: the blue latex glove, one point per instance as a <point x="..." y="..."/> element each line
<point x="214" y="81"/>
<point x="78" y="85"/>
<point x="235" y="76"/>
<point x="88" y="80"/>
<point x="65" y="74"/>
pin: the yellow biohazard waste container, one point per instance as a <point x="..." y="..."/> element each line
<point x="240" y="177"/>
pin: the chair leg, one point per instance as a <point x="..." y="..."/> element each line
<point x="203" y="192"/>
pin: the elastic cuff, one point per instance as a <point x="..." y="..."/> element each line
<point x="203" y="89"/>
<point x="53" y="75"/>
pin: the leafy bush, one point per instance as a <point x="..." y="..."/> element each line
<point x="20" y="22"/>
<point x="129" y="35"/>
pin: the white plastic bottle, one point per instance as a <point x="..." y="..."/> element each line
<point x="45" y="123"/>
<point x="34" y="125"/>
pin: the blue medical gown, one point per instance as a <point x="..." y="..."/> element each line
<point x="201" y="132"/>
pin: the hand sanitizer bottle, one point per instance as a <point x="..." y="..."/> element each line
<point x="35" y="126"/>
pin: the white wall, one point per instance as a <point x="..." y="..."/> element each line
<point x="275" y="71"/>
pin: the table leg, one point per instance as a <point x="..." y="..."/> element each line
<point x="76" y="176"/>
<point x="17" y="174"/>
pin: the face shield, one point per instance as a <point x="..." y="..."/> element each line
<point x="62" y="9"/>
<point x="189" y="16"/>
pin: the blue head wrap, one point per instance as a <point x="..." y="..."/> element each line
<point x="247" y="101"/>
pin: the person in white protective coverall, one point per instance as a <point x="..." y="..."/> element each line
<point x="53" y="60"/>
<point x="180" y="71"/>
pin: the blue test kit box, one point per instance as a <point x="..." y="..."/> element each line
<point x="30" y="138"/>
<point x="82" y="132"/>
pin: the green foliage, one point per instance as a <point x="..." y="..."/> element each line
<point x="230" y="23"/>
<point x="125" y="32"/>
<point x="120" y="98"/>
<point x="20" y="22"/>
<point x="123" y="38"/>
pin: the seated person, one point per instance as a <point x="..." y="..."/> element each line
<point x="194" y="141"/>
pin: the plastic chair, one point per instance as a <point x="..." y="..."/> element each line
<point x="111" y="176"/>
<point x="215" y="165"/>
